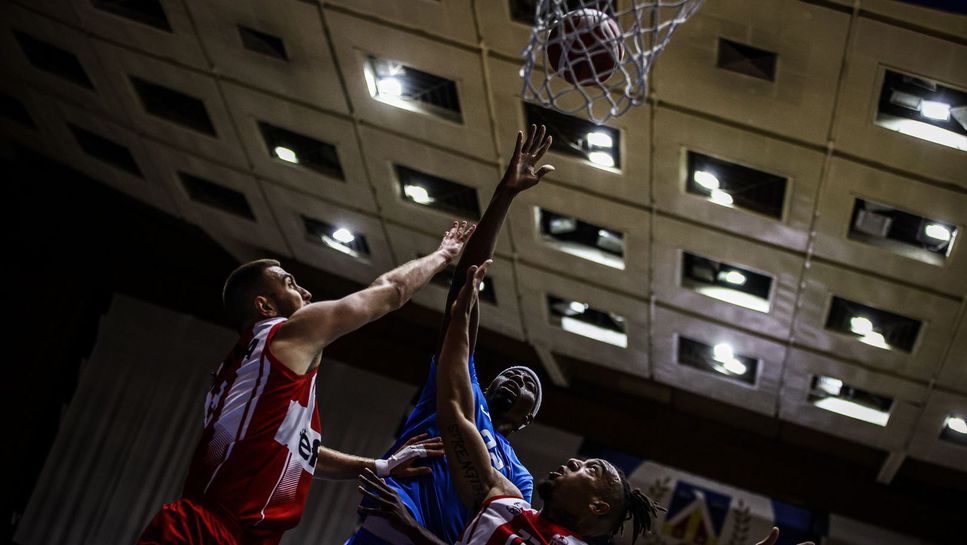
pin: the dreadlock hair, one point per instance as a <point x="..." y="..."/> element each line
<point x="638" y="508"/>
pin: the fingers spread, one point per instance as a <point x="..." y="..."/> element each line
<point x="529" y="145"/>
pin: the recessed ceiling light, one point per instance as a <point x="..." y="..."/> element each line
<point x="937" y="232"/>
<point x="734" y="277"/>
<point x="735" y="366"/>
<point x="935" y="110"/>
<point x="876" y="339"/>
<point x="578" y="307"/>
<point x="706" y="180"/>
<point x="852" y="409"/>
<point x="600" y="139"/>
<point x="721" y="197"/>
<point x="860" y="325"/>
<point x="389" y="87"/>
<point x="417" y="194"/>
<point x="602" y="158"/>
<point x="286" y="154"/>
<point x="723" y="352"/>
<point x="343" y="235"/>
<point x="956" y="424"/>
<point x="830" y="385"/>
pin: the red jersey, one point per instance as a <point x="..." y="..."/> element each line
<point x="260" y="441"/>
<point x="509" y="520"/>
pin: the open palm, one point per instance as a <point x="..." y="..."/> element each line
<point x="523" y="172"/>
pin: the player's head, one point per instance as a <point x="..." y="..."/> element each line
<point x="514" y="397"/>
<point x="595" y="499"/>
<point x="261" y="289"/>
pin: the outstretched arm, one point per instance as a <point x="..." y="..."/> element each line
<point x="467" y="457"/>
<point x="386" y="503"/>
<point x="335" y="465"/>
<point x="522" y="174"/>
<point x="311" y="328"/>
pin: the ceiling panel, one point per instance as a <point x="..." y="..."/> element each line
<point x="808" y="41"/>
<point x="953" y="375"/>
<point x="676" y="134"/>
<point x="249" y="108"/>
<point x="122" y="65"/>
<point x="451" y="19"/>
<point x="670" y="326"/>
<point x="99" y="95"/>
<point x="822" y="282"/>
<point x="292" y="208"/>
<point x="926" y="443"/>
<point x="260" y="229"/>
<point x="351" y="39"/>
<point x="876" y="47"/>
<point x="802" y="366"/>
<point x="308" y="71"/>
<point x="848" y="181"/>
<point x="385" y="151"/>
<point x="594" y="266"/>
<point x="673" y="238"/>
<point x="178" y="43"/>
<point x="535" y="286"/>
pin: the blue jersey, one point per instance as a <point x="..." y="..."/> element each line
<point x="433" y="499"/>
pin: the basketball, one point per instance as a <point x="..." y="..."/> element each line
<point x="585" y="47"/>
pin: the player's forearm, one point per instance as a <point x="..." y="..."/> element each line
<point x="410" y="277"/>
<point x="453" y="370"/>
<point x="337" y="466"/>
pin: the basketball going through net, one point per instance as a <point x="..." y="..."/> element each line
<point x="591" y="57"/>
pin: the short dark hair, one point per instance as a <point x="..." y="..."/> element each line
<point x="241" y="286"/>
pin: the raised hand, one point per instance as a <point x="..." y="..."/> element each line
<point x="386" y="503"/>
<point x="470" y="292"/>
<point x="523" y="172"/>
<point x="400" y="464"/>
<point x="455" y="238"/>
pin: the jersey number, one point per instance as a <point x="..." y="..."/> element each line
<point x="491" y="445"/>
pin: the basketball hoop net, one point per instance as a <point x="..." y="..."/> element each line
<point x="619" y="61"/>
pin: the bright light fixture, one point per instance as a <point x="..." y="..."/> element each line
<point x="417" y="194"/>
<point x="876" y="339"/>
<point x="602" y="158"/>
<point x="852" y="409"/>
<point x="735" y="366"/>
<point x="286" y="154"/>
<point x="706" y="180"/>
<point x="591" y="331"/>
<point x="600" y="139"/>
<point x="723" y="352"/>
<point x="343" y="235"/>
<point x="928" y="132"/>
<point x="860" y="325"/>
<point x="481" y="286"/>
<point x="830" y="385"/>
<point x="734" y="277"/>
<point x="935" y="110"/>
<point x="956" y="423"/>
<point x="389" y="87"/>
<point x="578" y="307"/>
<point x="937" y="232"/>
<point x="721" y="197"/>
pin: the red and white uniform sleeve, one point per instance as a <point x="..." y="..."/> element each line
<point x="509" y="520"/>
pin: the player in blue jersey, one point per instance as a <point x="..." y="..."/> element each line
<point x="508" y="404"/>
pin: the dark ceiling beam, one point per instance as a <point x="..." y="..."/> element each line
<point x="88" y="232"/>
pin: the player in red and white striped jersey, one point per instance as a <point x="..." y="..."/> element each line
<point x="260" y="446"/>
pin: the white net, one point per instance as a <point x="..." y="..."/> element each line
<point x="593" y="56"/>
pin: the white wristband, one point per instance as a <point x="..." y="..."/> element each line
<point x="385" y="467"/>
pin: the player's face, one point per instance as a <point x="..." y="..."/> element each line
<point x="511" y="397"/>
<point x="285" y="293"/>
<point x="578" y="486"/>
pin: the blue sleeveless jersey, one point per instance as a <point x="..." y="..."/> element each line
<point x="433" y="499"/>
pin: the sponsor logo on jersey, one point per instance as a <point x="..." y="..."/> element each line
<point x="297" y="435"/>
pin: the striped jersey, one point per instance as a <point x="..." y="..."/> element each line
<point x="260" y="440"/>
<point x="509" y="520"/>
